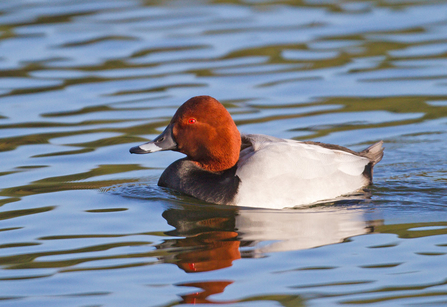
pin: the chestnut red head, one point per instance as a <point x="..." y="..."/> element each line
<point x="203" y="130"/>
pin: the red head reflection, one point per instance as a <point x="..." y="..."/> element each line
<point x="215" y="250"/>
<point x="209" y="288"/>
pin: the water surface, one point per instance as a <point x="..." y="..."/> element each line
<point x="83" y="223"/>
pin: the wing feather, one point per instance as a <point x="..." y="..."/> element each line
<point x="273" y="169"/>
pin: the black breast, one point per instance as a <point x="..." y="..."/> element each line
<point x="214" y="187"/>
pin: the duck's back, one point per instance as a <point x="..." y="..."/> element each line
<point x="278" y="173"/>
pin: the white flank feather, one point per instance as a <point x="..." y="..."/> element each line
<point x="277" y="173"/>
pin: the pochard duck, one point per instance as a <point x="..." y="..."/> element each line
<point x="225" y="167"/>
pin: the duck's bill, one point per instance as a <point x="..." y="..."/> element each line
<point x="164" y="141"/>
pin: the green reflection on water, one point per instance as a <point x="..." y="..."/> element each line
<point x="405" y="231"/>
<point x="28" y="260"/>
<point x="400" y="105"/>
<point x="74" y="181"/>
<point x="17" y="213"/>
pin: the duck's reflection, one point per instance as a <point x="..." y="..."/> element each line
<point x="211" y="237"/>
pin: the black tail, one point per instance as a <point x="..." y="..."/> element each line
<point x="374" y="153"/>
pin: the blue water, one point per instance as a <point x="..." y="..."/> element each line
<point x="83" y="222"/>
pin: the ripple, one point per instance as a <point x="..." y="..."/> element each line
<point x="84" y="80"/>
<point x="143" y="191"/>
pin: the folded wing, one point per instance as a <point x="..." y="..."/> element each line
<point x="280" y="173"/>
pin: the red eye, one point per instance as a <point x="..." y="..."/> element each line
<point x="191" y="121"/>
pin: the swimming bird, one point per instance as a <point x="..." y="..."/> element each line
<point x="225" y="167"/>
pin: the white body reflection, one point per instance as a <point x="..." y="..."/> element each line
<point x="284" y="230"/>
<point x="211" y="237"/>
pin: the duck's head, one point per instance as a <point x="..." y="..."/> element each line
<point x="203" y="130"/>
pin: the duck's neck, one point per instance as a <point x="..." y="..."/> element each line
<point x="221" y="157"/>
<point x="216" y="165"/>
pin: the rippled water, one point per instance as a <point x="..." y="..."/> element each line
<point x="83" y="223"/>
